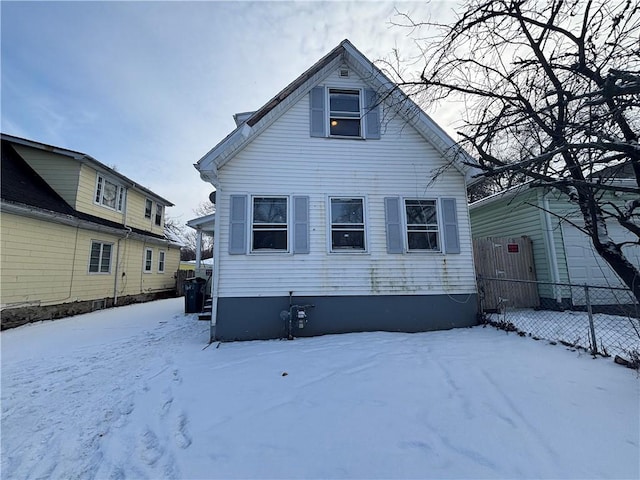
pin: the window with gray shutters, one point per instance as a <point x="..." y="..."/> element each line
<point x="269" y="226"/>
<point x="422" y="224"/>
<point x="344" y="113"/>
<point x="347" y="224"/>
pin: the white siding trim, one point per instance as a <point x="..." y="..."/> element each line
<point x="285" y="160"/>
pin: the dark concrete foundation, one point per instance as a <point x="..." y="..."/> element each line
<point x="14" y="317"/>
<point x="259" y="318"/>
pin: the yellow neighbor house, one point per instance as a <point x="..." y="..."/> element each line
<point x="76" y="235"/>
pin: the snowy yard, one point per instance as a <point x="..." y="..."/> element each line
<point x="615" y="335"/>
<point x="132" y="393"/>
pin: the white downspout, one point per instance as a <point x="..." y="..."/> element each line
<point x="117" y="271"/>
<point x="551" y="247"/>
<point x="198" y="247"/>
<point x="124" y="224"/>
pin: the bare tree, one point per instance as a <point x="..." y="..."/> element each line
<point x="176" y="230"/>
<point x="552" y="89"/>
<point x="204" y="208"/>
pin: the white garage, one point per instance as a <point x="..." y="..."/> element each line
<point x="585" y="266"/>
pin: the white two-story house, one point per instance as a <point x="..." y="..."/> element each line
<point x="342" y="194"/>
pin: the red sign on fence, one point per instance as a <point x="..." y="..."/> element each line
<point x="512" y="248"/>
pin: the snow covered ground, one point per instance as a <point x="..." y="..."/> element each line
<point x="132" y="392"/>
<point x="615" y="335"/>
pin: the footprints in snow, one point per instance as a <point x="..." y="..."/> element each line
<point x="183" y="439"/>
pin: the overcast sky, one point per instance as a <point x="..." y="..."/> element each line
<point x="150" y="87"/>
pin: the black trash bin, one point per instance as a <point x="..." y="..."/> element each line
<point x="193" y="294"/>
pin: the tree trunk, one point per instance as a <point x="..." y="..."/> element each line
<point x="627" y="272"/>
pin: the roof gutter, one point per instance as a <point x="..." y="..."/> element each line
<point x="84" y="158"/>
<point x="70" y="220"/>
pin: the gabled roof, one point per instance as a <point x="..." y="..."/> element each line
<point x="205" y="223"/>
<point x="22" y="188"/>
<point x="344" y="53"/>
<point x="21" y="184"/>
<point x="86" y="159"/>
<point x="503" y="194"/>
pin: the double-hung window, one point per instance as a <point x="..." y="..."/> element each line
<point x="347" y="224"/>
<point x="148" y="260"/>
<point x="148" y="207"/>
<point x="161" y="255"/>
<point x="422" y="225"/>
<point x="109" y="194"/>
<point x="159" y="210"/>
<point x="344" y="113"/>
<point x="269" y="227"/>
<point x="100" y="257"/>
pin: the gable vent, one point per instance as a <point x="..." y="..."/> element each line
<point x="344" y="72"/>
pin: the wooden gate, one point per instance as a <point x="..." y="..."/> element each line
<point x="506" y="258"/>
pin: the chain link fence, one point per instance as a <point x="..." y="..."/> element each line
<point x="602" y="320"/>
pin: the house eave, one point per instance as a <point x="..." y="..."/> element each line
<point x="87" y="159"/>
<point x="239" y="138"/>
<point x="411" y="112"/>
<point x="72" y="221"/>
<point x="205" y="223"/>
<point x="504" y="194"/>
<point x="393" y="97"/>
<point x="524" y="187"/>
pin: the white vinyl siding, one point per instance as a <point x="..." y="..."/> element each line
<point x="284" y="159"/>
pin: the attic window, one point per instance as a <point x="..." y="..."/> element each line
<point x="159" y="212"/>
<point x="344" y="113"/>
<point x="344" y="72"/>
<point x="109" y="194"/>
